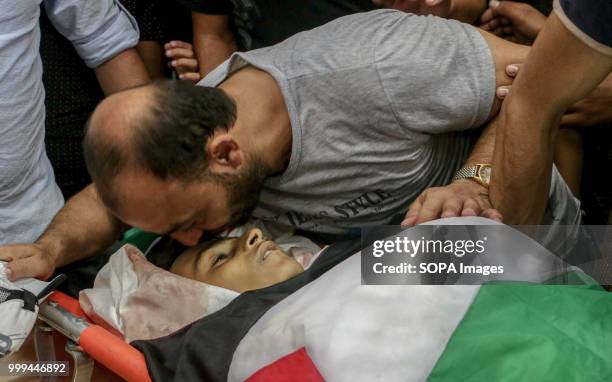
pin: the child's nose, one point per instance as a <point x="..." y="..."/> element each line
<point x="252" y="238"/>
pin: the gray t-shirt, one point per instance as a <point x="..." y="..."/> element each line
<point x="377" y="102"/>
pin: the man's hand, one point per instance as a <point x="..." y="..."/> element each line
<point x="183" y="60"/>
<point x="27" y="260"/>
<point x="595" y="109"/>
<point x="463" y="197"/>
<point x="517" y="22"/>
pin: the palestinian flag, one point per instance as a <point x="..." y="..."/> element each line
<point x="336" y="329"/>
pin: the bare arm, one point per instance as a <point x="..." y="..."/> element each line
<point x="152" y="56"/>
<point x="82" y="228"/>
<point x="467" y="11"/>
<point x="460" y="198"/>
<point x="466" y="197"/>
<point x="123" y="71"/>
<point x="559" y="71"/>
<point x="96" y="229"/>
<point x="213" y="40"/>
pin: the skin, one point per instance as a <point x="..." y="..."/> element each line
<point x="213" y="40"/>
<point x="183" y="60"/>
<point x="466" y="197"/>
<point x="527" y="126"/>
<point x="518" y="22"/>
<point x="153" y="58"/>
<point x="85" y="226"/>
<point x="239" y="264"/>
<point x="123" y="71"/>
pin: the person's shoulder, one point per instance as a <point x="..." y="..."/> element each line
<point x="372" y="18"/>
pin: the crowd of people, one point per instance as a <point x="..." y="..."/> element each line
<point x="325" y="116"/>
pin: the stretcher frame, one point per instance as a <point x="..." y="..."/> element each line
<point x="88" y="342"/>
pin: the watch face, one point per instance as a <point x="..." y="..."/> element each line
<point x="485" y="174"/>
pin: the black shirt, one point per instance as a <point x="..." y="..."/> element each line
<point x="260" y="23"/>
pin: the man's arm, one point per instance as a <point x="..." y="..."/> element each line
<point x="559" y="71"/>
<point x="81" y="229"/>
<point x="125" y="70"/>
<point x="467" y="11"/>
<point x="213" y="40"/>
<point x="460" y="198"/>
<point x="466" y="197"/>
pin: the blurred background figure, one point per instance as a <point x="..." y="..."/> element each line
<point x="72" y="89"/>
<point x="104" y="36"/>
<point x="221" y="27"/>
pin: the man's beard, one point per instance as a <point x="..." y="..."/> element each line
<point x="242" y="190"/>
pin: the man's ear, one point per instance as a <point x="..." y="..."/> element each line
<point x="223" y="152"/>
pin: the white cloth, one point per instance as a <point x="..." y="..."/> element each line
<point x="17" y="313"/>
<point x="355" y="332"/>
<point x="98" y="29"/>
<point x="141" y="301"/>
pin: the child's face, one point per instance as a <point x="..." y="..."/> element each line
<point x="240" y="264"/>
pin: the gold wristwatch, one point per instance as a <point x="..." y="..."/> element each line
<point x="480" y="173"/>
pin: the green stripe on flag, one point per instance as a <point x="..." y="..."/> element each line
<point x="519" y="332"/>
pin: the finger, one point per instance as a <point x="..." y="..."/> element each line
<point x="10" y="253"/>
<point x="470" y="208"/>
<point x="507" y="9"/>
<point x="505" y="21"/>
<point x="432" y="209"/>
<point x="513" y="69"/>
<point x="494" y="23"/>
<point x="32" y="266"/>
<point x="502" y="92"/>
<point x="413" y="212"/>
<point x="177" y="44"/>
<point x="433" y="3"/>
<point x="507" y="29"/>
<point x="486" y="16"/>
<point x="191" y="76"/>
<point x="451" y="208"/>
<point x="183" y="65"/>
<point x="493" y="214"/>
<point x="179" y="53"/>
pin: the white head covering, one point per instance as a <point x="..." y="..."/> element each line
<point x="141" y="301"/>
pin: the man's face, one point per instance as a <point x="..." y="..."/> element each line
<point x="240" y="264"/>
<point x="185" y="211"/>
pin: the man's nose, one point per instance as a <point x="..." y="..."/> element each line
<point x="251" y="238"/>
<point x="188" y="238"/>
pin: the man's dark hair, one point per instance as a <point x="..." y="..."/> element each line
<point x="169" y="139"/>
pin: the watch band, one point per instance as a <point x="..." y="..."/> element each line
<point x="466" y="172"/>
<point x="475" y="173"/>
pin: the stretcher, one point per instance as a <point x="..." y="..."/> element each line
<point x="88" y="342"/>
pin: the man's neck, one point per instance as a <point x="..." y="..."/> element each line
<point x="262" y="127"/>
